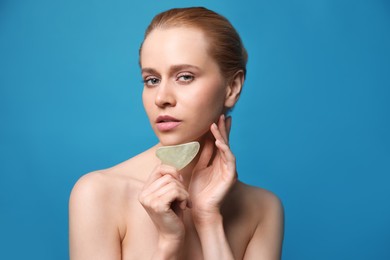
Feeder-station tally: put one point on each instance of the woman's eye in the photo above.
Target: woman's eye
(151, 81)
(185, 78)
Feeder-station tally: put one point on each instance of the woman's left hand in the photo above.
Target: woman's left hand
(214, 174)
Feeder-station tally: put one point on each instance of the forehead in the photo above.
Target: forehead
(177, 45)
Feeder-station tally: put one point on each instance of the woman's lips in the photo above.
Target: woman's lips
(166, 126)
(166, 123)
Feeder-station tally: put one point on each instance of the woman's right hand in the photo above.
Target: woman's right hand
(164, 198)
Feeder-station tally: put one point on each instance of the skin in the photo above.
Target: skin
(141, 209)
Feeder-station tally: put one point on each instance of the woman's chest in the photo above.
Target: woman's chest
(141, 238)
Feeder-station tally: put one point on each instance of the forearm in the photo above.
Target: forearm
(213, 239)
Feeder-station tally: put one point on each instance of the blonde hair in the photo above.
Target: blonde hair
(225, 44)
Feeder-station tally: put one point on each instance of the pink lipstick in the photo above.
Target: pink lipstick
(166, 123)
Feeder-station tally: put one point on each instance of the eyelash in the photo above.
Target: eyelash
(183, 78)
(185, 75)
(147, 80)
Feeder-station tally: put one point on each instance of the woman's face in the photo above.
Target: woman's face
(184, 91)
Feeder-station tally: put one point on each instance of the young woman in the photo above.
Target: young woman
(193, 65)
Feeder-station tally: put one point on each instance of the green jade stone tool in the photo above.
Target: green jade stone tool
(178, 156)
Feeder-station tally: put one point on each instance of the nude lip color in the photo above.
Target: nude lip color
(165, 123)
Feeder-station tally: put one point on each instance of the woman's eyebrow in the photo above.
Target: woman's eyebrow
(179, 67)
(149, 70)
(172, 69)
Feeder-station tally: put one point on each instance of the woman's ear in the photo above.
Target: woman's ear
(234, 88)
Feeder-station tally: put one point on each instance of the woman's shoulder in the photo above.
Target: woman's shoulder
(260, 194)
(259, 201)
(94, 193)
(93, 184)
(101, 185)
(254, 219)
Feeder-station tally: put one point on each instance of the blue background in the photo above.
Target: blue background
(312, 124)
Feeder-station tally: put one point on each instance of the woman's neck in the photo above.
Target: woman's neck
(187, 171)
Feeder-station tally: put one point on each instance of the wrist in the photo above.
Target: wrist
(168, 247)
(208, 220)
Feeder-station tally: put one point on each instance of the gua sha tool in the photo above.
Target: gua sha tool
(178, 156)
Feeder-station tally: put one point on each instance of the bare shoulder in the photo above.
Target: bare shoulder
(112, 184)
(111, 189)
(91, 217)
(96, 196)
(99, 205)
(265, 210)
(258, 199)
(88, 183)
(92, 187)
(103, 181)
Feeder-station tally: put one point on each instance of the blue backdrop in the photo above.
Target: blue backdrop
(312, 124)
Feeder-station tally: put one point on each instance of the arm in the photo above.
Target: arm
(213, 240)
(164, 198)
(266, 243)
(211, 181)
(209, 187)
(92, 231)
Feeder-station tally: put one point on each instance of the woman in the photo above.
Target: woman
(193, 67)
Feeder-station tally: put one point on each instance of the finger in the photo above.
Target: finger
(217, 133)
(158, 184)
(222, 127)
(161, 170)
(170, 187)
(226, 154)
(164, 197)
(181, 196)
(154, 175)
(156, 191)
(167, 169)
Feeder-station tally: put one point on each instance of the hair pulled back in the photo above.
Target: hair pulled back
(225, 44)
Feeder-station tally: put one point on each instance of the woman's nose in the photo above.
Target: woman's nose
(165, 96)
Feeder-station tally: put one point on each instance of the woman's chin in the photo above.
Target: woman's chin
(167, 141)
(164, 142)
